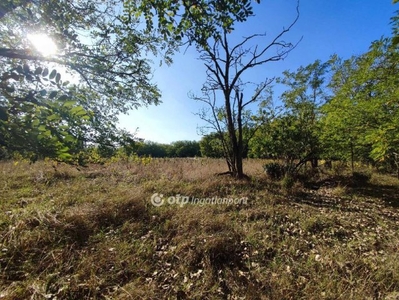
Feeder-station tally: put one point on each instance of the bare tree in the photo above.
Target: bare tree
(225, 69)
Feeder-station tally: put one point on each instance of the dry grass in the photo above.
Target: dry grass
(93, 234)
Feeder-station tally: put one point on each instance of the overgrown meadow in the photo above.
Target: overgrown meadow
(92, 233)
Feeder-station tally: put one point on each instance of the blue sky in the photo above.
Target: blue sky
(344, 27)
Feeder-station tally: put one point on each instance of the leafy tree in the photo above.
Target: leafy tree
(395, 26)
(211, 145)
(306, 92)
(184, 149)
(110, 64)
(292, 132)
(175, 149)
(152, 149)
(96, 47)
(189, 21)
(364, 112)
(341, 125)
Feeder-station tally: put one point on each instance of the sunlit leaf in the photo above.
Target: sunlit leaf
(52, 117)
(68, 103)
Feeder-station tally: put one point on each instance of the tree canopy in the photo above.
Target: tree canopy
(190, 21)
(363, 115)
(103, 57)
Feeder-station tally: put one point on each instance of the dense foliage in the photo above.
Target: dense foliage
(101, 49)
(345, 110)
(175, 149)
(362, 119)
(42, 114)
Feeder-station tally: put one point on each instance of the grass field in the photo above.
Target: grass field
(94, 233)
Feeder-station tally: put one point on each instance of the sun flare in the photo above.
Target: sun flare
(44, 44)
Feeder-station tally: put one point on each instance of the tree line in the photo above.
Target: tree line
(341, 109)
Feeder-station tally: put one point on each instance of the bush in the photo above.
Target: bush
(275, 170)
(4, 153)
(288, 182)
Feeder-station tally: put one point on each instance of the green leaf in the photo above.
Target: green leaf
(69, 138)
(45, 72)
(38, 71)
(53, 74)
(58, 77)
(65, 156)
(53, 94)
(20, 70)
(53, 117)
(81, 113)
(64, 97)
(26, 68)
(68, 103)
(10, 89)
(78, 111)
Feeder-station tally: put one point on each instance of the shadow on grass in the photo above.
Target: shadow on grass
(372, 192)
(387, 193)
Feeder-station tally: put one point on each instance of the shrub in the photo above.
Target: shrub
(288, 182)
(4, 153)
(339, 168)
(275, 170)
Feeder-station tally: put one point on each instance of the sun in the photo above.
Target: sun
(43, 44)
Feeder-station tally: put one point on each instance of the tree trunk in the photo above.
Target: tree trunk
(352, 159)
(328, 164)
(235, 152)
(315, 162)
(396, 158)
(240, 171)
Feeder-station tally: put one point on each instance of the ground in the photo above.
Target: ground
(93, 233)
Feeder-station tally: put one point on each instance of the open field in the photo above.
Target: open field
(94, 234)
